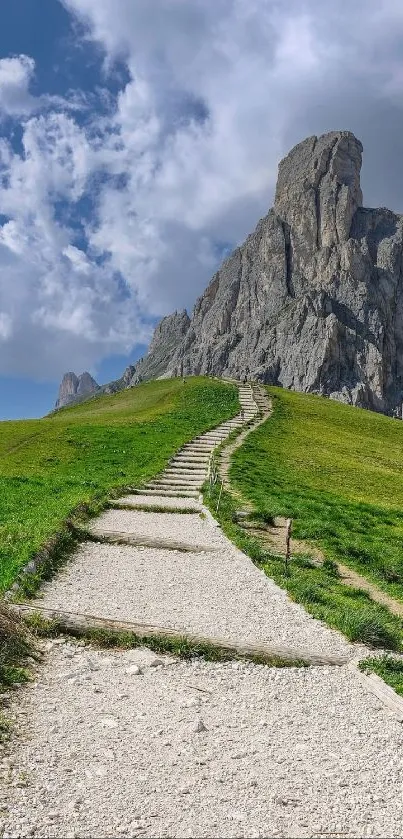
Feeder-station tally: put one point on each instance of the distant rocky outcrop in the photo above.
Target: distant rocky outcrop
(75, 389)
(313, 299)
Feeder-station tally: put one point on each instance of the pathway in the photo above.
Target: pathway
(127, 743)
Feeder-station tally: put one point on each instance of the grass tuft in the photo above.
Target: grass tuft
(388, 668)
(181, 647)
(16, 643)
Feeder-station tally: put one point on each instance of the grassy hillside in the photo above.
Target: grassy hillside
(50, 466)
(338, 472)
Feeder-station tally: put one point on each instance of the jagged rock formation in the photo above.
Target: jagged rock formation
(75, 389)
(313, 300)
(167, 337)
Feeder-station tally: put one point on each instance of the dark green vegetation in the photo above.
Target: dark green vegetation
(182, 647)
(388, 668)
(15, 646)
(319, 590)
(71, 461)
(338, 472)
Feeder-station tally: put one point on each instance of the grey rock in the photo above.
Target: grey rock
(75, 389)
(313, 299)
(167, 336)
(199, 726)
(133, 670)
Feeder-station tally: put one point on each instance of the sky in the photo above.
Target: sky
(139, 143)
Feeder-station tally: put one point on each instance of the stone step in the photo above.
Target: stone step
(200, 458)
(178, 491)
(181, 478)
(216, 436)
(192, 464)
(188, 474)
(172, 484)
(200, 449)
(184, 468)
(165, 493)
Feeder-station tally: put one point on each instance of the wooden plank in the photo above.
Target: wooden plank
(78, 624)
(372, 682)
(116, 537)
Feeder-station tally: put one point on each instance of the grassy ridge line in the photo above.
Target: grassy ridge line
(337, 471)
(77, 458)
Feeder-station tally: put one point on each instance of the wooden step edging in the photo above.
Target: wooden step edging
(375, 685)
(117, 537)
(266, 653)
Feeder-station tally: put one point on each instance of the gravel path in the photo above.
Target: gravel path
(189, 527)
(126, 743)
(286, 753)
(220, 593)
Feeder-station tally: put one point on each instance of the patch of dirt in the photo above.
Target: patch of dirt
(273, 537)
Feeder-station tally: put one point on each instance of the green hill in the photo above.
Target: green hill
(338, 472)
(49, 467)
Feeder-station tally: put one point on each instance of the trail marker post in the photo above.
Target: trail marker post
(288, 531)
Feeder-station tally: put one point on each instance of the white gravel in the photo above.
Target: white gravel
(284, 753)
(187, 527)
(162, 501)
(220, 593)
(134, 744)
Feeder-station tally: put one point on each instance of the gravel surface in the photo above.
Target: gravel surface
(220, 593)
(162, 501)
(198, 750)
(189, 527)
(127, 743)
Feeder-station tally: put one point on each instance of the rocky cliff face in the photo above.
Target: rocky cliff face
(168, 336)
(75, 389)
(313, 300)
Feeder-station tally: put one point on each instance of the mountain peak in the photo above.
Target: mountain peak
(318, 187)
(73, 388)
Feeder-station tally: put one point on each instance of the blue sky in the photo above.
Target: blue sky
(139, 142)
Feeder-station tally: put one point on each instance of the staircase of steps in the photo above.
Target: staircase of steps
(188, 470)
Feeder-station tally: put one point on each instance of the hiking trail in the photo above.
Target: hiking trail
(130, 743)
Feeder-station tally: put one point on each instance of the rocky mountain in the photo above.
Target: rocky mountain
(75, 389)
(313, 299)
(168, 336)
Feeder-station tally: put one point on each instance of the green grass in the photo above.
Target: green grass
(76, 458)
(388, 668)
(338, 472)
(319, 590)
(15, 646)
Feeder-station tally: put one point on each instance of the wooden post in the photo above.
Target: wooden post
(219, 497)
(288, 530)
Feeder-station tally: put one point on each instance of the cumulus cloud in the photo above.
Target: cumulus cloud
(110, 221)
(15, 76)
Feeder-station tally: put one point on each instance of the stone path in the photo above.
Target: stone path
(130, 744)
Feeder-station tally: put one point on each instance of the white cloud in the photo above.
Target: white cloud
(15, 76)
(184, 164)
(6, 326)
